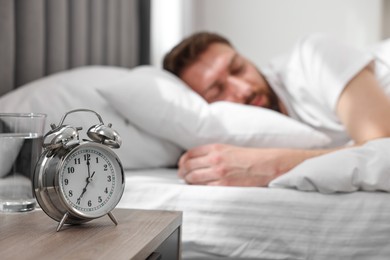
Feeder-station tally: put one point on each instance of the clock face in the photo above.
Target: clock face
(91, 180)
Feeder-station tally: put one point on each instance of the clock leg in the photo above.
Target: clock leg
(64, 218)
(112, 218)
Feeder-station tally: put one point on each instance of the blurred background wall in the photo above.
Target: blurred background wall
(262, 29)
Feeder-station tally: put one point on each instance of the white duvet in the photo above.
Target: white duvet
(335, 206)
(263, 223)
(365, 168)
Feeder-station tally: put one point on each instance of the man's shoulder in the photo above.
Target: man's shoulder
(315, 44)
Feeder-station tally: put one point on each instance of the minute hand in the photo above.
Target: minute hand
(89, 172)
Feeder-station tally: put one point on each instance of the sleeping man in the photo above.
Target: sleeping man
(324, 84)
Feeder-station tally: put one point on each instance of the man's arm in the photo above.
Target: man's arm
(363, 108)
(227, 165)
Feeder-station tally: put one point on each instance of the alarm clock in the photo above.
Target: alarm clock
(75, 180)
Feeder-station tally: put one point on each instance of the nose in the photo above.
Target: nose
(238, 90)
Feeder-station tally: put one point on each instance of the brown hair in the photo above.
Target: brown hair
(189, 49)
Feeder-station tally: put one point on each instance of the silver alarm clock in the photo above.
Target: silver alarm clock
(76, 180)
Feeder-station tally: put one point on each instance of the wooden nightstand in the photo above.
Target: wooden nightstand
(140, 234)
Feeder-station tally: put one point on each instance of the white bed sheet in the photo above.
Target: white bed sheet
(264, 223)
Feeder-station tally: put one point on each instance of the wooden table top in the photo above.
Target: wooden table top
(32, 235)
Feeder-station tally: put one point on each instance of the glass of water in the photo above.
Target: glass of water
(21, 137)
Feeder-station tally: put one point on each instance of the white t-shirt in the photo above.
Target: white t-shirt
(311, 78)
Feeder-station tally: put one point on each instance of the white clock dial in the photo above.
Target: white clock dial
(91, 180)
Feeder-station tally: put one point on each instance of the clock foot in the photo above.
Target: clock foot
(112, 218)
(64, 218)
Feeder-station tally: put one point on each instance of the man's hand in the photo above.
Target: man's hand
(226, 165)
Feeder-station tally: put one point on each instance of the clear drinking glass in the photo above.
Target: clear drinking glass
(21, 137)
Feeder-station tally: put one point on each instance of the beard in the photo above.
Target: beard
(272, 100)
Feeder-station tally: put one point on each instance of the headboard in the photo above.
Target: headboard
(41, 37)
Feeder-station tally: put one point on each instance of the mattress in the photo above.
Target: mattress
(266, 223)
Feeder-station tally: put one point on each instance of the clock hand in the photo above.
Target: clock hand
(84, 190)
(89, 179)
(89, 173)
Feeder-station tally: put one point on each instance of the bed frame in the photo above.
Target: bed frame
(41, 37)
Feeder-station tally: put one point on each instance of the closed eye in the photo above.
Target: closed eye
(213, 93)
(238, 70)
(237, 66)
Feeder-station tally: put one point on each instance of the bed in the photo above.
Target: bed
(332, 207)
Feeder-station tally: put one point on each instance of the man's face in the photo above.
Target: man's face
(221, 74)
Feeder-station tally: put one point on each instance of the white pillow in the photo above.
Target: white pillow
(364, 168)
(59, 93)
(161, 104)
